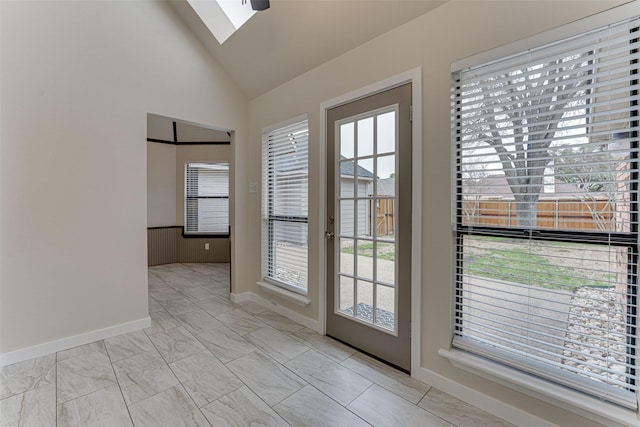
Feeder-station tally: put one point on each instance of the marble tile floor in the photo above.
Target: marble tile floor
(208, 362)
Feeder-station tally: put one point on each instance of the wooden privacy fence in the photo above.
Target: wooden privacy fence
(382, 216)
(562, 214)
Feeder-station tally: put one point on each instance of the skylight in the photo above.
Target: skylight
(222, 17)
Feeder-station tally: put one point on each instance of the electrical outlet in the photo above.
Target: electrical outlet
(206, 246)
(253, 187)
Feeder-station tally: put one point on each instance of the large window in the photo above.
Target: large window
(207, 198)
(285, 163)
(546, 211)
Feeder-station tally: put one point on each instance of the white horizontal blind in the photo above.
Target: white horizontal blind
(285, 165)
(546, 211)
(207, 198)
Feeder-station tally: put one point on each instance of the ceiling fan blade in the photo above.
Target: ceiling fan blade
(260, 4)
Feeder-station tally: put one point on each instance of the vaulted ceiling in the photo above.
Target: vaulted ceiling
(294, 36)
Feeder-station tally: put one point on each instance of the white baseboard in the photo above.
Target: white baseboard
(480, 400)
(240, 298)
(69, 342)
(294, 297)
(273, 305)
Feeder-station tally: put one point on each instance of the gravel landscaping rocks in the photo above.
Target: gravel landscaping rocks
(596, 334)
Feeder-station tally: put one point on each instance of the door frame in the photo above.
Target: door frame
(413, 76)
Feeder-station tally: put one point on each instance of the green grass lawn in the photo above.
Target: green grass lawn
(386, 251)
(529, 268)
(539, 265)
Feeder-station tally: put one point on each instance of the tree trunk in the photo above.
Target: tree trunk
(527, 210)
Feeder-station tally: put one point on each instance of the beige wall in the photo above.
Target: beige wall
(454, 31)
(78, 79)
(161, 185)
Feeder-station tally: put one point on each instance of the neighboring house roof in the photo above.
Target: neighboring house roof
(346, 168)
(284, 164)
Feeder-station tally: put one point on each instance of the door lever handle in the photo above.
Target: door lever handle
(329, 235)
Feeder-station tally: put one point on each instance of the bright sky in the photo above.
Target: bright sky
(237, 12)
(222, 17)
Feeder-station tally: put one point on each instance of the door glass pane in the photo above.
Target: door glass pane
(365, 259)
(345, 294)
(365, 137)
(383, 215)
(385, 307)
(364, 177)
(386, 132)
(363, 219)
(346, 182)
(347, 256)
(388, 237)
(385, 262)
(347, 218)
(386, 171)
(347, 142)
(364, 309)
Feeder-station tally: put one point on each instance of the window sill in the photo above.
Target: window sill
(296, 298)
(565, 398)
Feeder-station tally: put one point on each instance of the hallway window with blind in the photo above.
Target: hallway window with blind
(285, 168)
(207, 198)
(546, 211)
